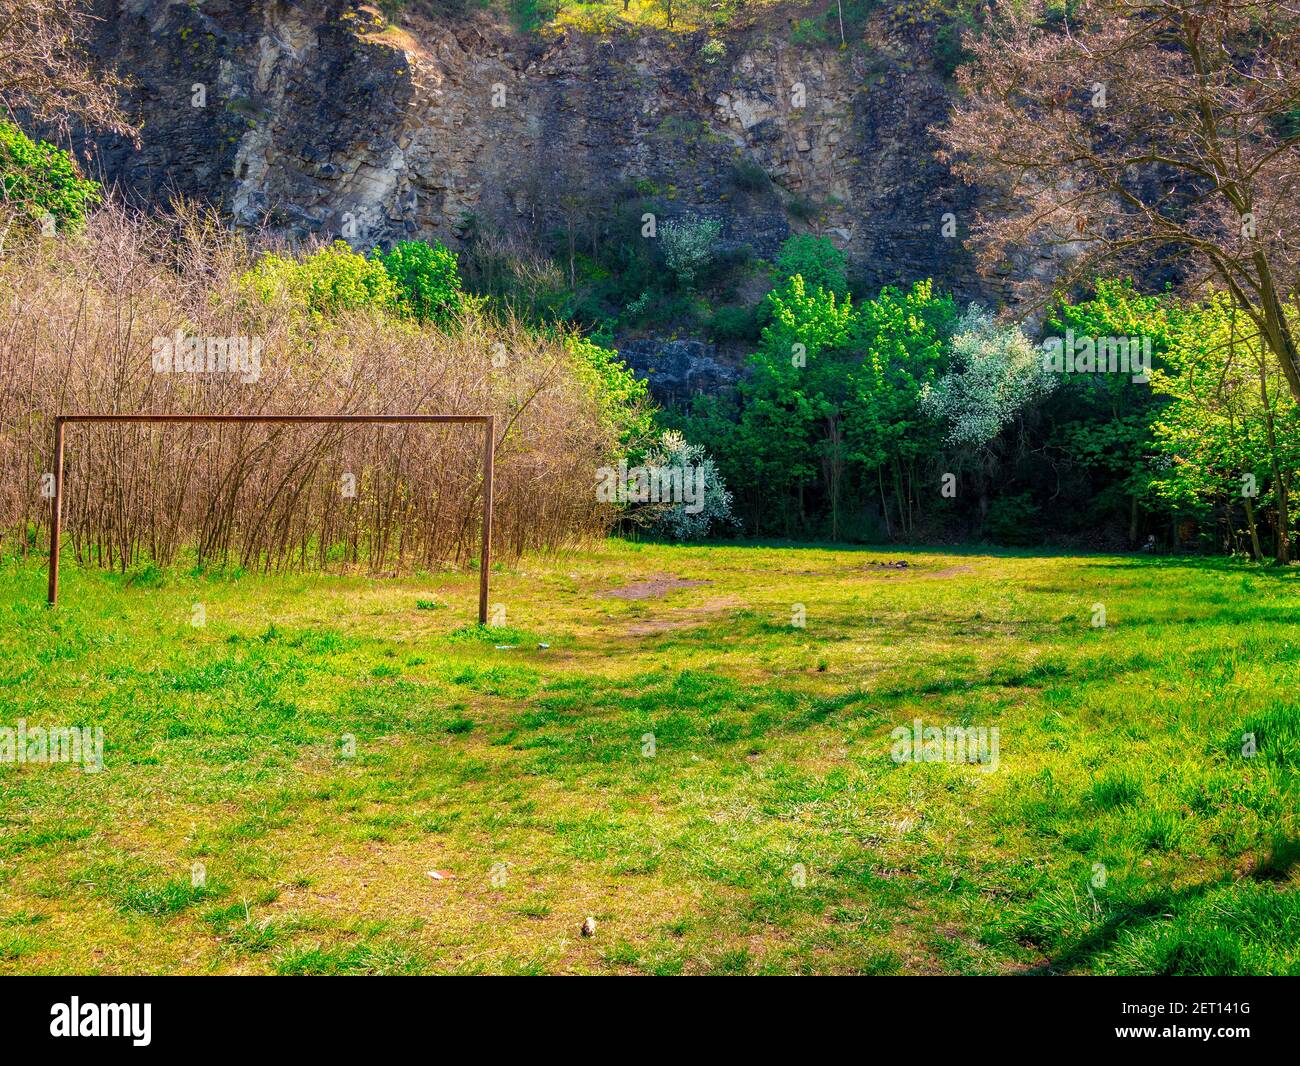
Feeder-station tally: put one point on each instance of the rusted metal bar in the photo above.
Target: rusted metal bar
(489, 448)
(485, 555)
(56, 512)
(274, 418)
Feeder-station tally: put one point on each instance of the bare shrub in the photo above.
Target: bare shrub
(45, 71)
(511, 270)
(81, 320)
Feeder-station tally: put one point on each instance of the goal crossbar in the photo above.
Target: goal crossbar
(488, 422)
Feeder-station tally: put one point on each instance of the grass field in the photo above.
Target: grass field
(711, 783)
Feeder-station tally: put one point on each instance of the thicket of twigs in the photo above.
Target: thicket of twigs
(78, 318)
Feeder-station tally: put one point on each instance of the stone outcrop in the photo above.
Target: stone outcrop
(676, 369)
(315, 119)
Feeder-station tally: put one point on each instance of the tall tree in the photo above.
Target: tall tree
(1125, 129)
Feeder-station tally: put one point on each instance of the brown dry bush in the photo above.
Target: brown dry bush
(78, 320)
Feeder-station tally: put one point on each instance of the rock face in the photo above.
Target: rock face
(677, 369)
(313, 119)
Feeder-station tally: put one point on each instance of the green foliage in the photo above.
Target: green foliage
(804, 321)
(784, 399)
(1287, 124)
(807, 32)
(428, 277)
(40, 179)
(1104, 420)
(949, 52)
(1230, 432)
(530, 15)
(905, 334)
(622, 397)
(1013, 519)
(1116, 308)
(875, 402)
(328, 280)
(817, 261)
(831, 407)
(731, 323)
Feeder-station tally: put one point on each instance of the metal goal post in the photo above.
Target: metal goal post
(488, 422)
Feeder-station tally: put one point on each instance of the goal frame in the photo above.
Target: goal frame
(488, 422)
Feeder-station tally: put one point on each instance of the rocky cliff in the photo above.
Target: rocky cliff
(318, 119)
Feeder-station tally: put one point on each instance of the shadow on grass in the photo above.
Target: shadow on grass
(1229, 926)
(1084, 952)
(1205, 563)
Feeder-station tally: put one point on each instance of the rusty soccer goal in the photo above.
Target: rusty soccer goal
(488, 422)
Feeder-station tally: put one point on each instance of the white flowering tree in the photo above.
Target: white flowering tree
(995, 372)
(689, 246)
(710, 505)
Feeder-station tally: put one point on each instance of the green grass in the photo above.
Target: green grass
(710, 783)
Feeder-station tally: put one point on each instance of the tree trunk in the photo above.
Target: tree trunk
(1283, 554)
(898, 495)
(884, 502)
(1276, 328)
(834, 471)
(1254, 530)
(1283, 547)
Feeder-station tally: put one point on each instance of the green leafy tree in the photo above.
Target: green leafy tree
(832, 404)
(1230, 432)
(328, 280)
(786, 400)
(41, 181)
(428, 278)
(817, 261)
(622, 398)
(830, 409)
(1104, 420)
(903, 336)
(803, 320)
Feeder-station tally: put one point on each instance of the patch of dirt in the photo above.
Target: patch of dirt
(904, 569)
(652, 587)
(951, 571)
(685, 618)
